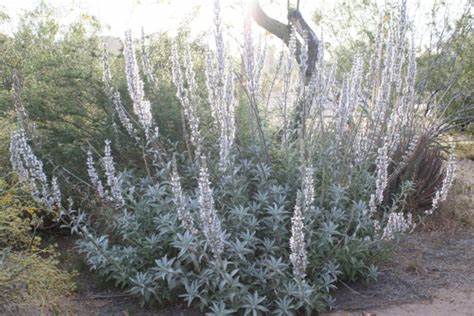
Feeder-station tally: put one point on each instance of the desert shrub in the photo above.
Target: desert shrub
(269, 225)
(30, 277)
(56, 71)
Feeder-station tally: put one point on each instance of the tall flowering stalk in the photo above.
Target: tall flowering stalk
(123, 115)
(399, 48)
(381, 180)
(298, 255)
(114, 96)
(187, 95)
(184, 215)
(30, 171)
(112, 180)
(220, 85)
(210, 222)
(55, 194)
(253, 59)
(288, 95)
(93, 175)
(141, 106)
(349, 100)
(442, 193)
(382, 172)
(405, 111)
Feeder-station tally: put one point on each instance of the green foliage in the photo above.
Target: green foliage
(150, 254)
(447, 69)
(60, 78)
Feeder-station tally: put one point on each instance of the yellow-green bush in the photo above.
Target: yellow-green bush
(18, 216)
(30, 277)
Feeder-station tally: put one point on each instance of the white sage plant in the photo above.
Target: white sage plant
(227, 231)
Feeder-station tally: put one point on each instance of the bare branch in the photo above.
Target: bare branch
(277, 28)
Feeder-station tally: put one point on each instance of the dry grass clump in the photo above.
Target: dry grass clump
(31, 282)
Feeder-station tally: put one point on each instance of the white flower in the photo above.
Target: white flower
(372, 205)
(253, 59)
(55, 194)
(93, 176)
(112, 180)
(123, 116)
(187, 96)
(30, 172)
(178, 197)
(307, 189)
(382, 172)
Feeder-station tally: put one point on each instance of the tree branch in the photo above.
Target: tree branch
(277, 28)
(282, 31)
(306, 32)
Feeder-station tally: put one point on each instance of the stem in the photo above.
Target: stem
(145, 161)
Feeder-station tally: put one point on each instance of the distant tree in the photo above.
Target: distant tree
(446, 65)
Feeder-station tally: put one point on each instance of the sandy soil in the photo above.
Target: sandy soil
(446, 303)
(430, 274)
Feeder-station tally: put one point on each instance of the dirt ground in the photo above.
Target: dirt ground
(430, 274)
(431, 271)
